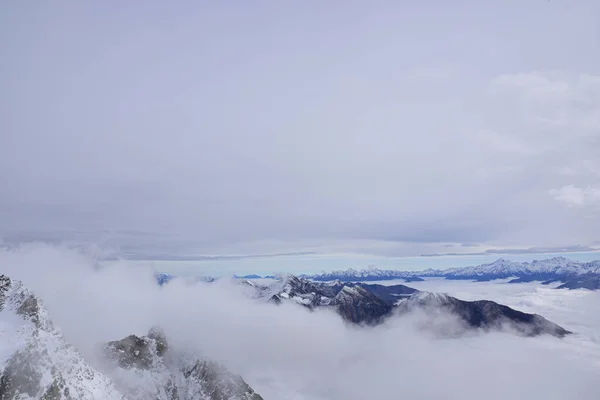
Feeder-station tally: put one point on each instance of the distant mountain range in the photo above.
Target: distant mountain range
(572, 274)
(558, 269)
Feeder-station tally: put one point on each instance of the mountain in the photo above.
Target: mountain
(552, 269)
(590, 281)
(36, 362)
(150, 369)
(163, 278)
(365, 275)
(251, 276)
(370, 304)
(482, 314)
(356, 303)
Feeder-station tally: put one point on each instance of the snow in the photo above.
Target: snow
(501, 268)
(49, 351)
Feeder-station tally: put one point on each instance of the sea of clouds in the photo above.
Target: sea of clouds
(289, 353)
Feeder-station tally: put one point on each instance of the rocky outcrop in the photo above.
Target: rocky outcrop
(482, 314)
(37, 363)
(40, 364)
(154, 370)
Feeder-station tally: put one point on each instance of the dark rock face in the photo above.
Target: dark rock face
(358, 305)
(355, 302)
(363, 303)
(218, 383)
(57, 391)
(389, 294)
(590, 282)
(202, 379)
(484, 314)
(29, 309)
(20, 377)
(413, 279)
(4, 286)
(133, 352)
(138, 351)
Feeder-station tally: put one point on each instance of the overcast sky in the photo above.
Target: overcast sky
(381, 127)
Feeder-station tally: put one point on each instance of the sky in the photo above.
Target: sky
(381, 128)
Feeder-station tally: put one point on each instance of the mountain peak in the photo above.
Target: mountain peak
(38, 363)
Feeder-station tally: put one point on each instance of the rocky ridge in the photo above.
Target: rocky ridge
(371, 304)
(36, 362)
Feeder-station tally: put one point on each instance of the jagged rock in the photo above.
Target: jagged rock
(371, 304)
(133, 352)
(219, 383)
(43, 365)
(164, 374)
(358, 305)
(20, 376)
(356, 302)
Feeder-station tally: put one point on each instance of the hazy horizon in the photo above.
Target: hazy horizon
(317, 263)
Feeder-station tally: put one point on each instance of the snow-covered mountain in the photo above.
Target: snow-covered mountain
(482, 314)
(363, 303)
(145, 367)
(354, 302)
(552, 269)
(36, 362)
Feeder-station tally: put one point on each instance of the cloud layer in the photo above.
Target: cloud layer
(289, 353)
(218, 129)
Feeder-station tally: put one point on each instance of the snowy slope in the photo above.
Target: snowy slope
(37, 363)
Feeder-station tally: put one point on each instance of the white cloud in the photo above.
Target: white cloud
(577, 196)
(289, 353)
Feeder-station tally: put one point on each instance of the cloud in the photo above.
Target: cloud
(530, 250)
(265, 132)
(577, 196)
(289, 353)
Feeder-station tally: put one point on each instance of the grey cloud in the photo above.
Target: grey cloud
(530, 250)
(218, 127)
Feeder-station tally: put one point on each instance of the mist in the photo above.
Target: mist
(288, 352)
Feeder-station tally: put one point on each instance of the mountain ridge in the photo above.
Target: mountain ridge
(551, 269)
(372, 304)
(36, 362)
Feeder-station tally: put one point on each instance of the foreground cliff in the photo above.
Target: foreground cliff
(37, 363)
